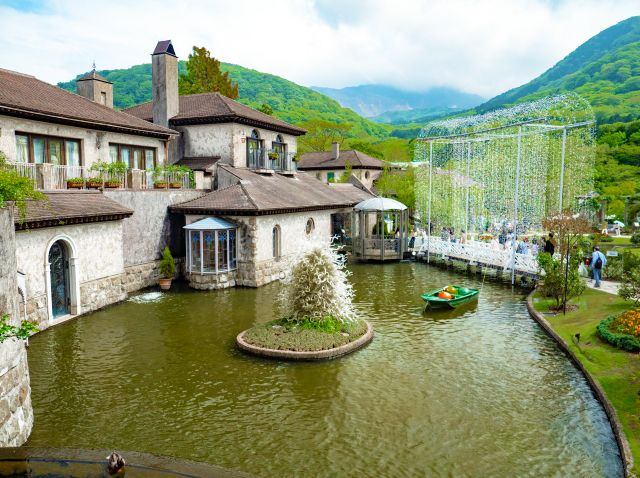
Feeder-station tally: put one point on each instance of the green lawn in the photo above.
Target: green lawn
(618, 372)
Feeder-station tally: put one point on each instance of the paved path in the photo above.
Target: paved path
(605, 286)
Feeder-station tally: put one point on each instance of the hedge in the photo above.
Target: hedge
(622, 341)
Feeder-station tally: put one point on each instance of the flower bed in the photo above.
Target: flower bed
(622, 331)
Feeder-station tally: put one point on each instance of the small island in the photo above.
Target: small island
(317, 316)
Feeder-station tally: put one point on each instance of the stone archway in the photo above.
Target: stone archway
(61, 277)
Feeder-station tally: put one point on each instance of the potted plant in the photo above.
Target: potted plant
(161, 184)
(115, 174)
(175, 185)
(75, 183)
(273, 155)
(112, 183)
(94, 183)
(167, 269)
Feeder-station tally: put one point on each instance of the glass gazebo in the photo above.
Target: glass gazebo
(380, 229)
(211, 246)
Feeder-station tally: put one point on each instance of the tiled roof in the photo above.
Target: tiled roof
(93, 75)
(359, 184)
(70, 207)
(26, 96)
(268, 194)
(205, 108)
(327, 160)
(199, 164)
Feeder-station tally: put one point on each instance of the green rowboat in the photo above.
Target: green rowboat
(463, 296)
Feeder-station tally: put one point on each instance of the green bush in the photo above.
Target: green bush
(622, 341)
(635, 239)
(630, 287)
(614, 270)
(8, 331)
(167, 265)
(554, 278)
(606, 239)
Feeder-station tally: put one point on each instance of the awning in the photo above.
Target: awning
(210, 224)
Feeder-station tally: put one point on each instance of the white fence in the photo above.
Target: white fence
(479, 253)
(56, 177)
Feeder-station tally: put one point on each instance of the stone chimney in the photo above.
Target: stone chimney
(96, 88)
(335, 150)
(164, 63)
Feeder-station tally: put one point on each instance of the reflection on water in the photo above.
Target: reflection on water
(477, 391)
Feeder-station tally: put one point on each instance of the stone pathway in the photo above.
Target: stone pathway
(608, 286)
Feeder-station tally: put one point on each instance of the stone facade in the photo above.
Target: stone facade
(257, 265)
(227, 140)
(151, 227)
(94, 144)
(16, 413)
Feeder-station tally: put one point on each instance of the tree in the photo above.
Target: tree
(17, 188)
(266, 109)
(562, 279)
(347, 172)
(321, 134)
(630, 287)
(204, 75)
(399, 184)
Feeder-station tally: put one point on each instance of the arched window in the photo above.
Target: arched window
(277, 246)
(59, 279)
(277, 154)
(310, 226)
(254, 150)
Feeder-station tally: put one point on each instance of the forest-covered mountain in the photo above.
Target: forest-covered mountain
(290, 102)
(605, 70)
(387, 104)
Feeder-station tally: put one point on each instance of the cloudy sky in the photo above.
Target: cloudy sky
(481, 46)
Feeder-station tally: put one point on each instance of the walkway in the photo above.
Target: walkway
(608, 286)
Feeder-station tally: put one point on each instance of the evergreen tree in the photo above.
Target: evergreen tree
(204, 75)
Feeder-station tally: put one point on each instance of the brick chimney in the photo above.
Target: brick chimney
(96, 88)
(335, 150)
(164, 63)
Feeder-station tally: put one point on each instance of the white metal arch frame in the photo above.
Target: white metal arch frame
(74, 276)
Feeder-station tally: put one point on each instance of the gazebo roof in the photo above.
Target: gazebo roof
(380, 204)
(210, 223)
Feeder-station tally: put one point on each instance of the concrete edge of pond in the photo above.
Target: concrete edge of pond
(598, 391)
(306, 356)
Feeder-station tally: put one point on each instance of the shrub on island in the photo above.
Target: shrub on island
(315, 307)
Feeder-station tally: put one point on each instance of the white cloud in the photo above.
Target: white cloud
(484, 47)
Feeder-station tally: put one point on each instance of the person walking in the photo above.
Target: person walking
(550, 245)
(598, 261)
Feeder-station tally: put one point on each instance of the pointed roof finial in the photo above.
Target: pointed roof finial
(94, 65)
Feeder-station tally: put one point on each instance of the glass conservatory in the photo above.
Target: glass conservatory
(211, 246)
(380, 229)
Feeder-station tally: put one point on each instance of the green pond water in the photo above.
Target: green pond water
(480, 391)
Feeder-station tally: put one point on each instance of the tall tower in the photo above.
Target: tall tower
(165, 83)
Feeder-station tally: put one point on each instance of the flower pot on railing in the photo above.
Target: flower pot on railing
(160, 185)
(94, 183)
(175, 185)
(75, 183)
(113, 184)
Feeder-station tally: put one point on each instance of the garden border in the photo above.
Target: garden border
(616, 426)
(306, 356)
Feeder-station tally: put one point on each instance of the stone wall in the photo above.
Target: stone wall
(151, 226)
(16, 413)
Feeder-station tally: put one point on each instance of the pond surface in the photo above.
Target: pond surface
(481, 391)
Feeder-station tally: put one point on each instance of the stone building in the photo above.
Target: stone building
(81, 250)
(245, 233)
(329, 166)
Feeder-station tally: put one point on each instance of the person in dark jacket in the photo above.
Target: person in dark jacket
(550, 245)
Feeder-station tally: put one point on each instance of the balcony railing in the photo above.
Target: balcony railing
(271, 160)
(48, 177)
